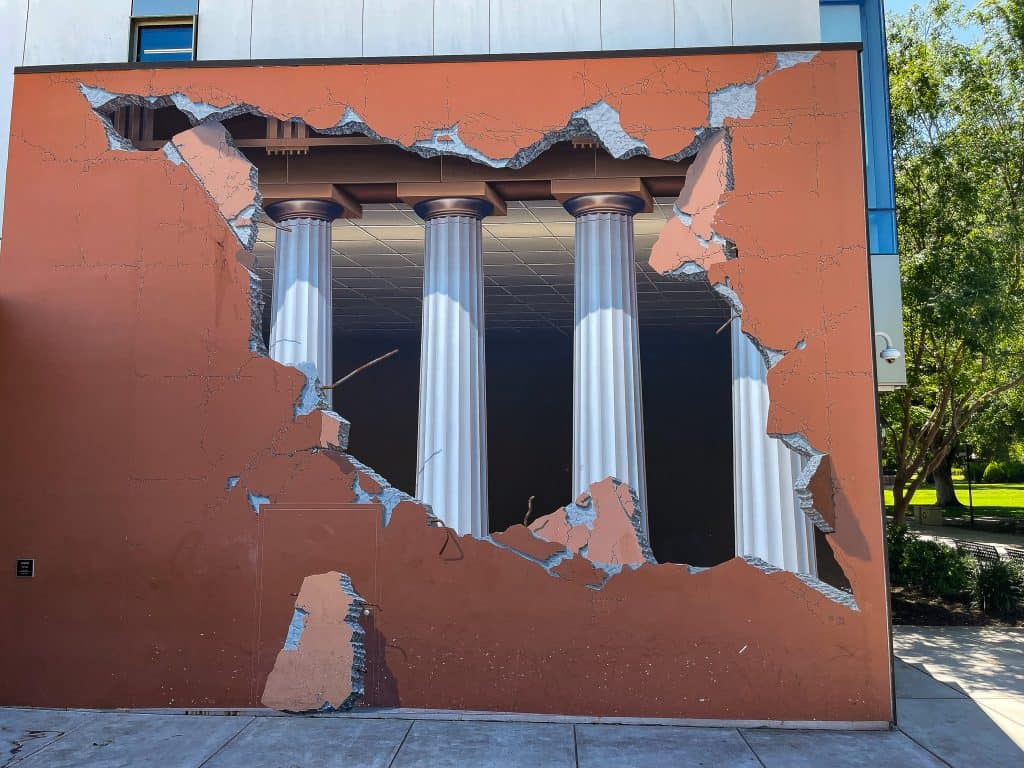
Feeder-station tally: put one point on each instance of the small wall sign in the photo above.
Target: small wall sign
(25, 568)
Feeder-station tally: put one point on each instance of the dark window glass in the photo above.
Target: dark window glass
(165, 42)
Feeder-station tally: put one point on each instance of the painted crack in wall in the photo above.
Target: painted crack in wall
(739, 100)
(370, 487)
(207, 150)
(690, 243)
(600, 120)
(691, 232)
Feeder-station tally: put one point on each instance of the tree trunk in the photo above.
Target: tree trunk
(945, 493)
(900, 502)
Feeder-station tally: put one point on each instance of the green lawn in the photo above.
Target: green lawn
(993, 499)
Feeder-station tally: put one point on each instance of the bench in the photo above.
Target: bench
(977, 550)
(1016, 554)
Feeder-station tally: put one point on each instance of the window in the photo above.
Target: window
(163, 39)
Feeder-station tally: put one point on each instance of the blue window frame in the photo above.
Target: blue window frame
(164, 41)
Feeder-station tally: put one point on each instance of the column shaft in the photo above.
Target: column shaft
(451, 465)
(769, 522)
(608, 430)
(301, 320)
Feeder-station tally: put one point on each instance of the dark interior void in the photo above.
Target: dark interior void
(688, 432)
(687, 377)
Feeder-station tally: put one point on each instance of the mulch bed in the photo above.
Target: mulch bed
(912, 607)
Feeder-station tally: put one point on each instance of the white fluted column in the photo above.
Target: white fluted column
(769, 522)
(608, 425)
(451, 462)
(300, 321)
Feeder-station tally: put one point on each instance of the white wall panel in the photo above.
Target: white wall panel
(529, 26)
(398, 28)
(224, 29)
(887, 303)
(462, 27)
(840, 24)
(76, 32)
(13, 14)
(306, 29)
(757, 22)
(703, 23)
(630, 24)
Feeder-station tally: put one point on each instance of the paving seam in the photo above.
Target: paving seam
(934, 754)
(225, 745)
(401, 744)
(920, 668)
(752, 750)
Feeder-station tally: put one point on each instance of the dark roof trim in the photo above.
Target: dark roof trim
(716, 50)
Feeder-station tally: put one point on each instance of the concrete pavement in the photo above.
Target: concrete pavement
(960, 702)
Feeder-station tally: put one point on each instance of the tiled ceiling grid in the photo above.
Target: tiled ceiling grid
(528, 271)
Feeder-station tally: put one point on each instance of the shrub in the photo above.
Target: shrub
(896, 539)
(994, 473)
(936, 568)
(1014, 471)
(998, 586)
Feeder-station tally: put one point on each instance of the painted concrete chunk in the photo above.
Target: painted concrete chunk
(123, 740)
(321, 664)
(626, 746)
(812, 749)
(580, 571)
(313, 742)
(521, 539)
(611, 536)
(441, 744)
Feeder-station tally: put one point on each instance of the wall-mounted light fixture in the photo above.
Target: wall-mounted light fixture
(890, 354)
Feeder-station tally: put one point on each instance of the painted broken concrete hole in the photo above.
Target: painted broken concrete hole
(588, 541)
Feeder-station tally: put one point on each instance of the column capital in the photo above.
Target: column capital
(324, 210)
(620, 195)
(581, 205)
(451, 198)
(317, 201)
(453, 206)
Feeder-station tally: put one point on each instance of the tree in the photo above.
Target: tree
(958, 136)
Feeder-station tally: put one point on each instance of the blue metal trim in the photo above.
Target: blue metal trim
(881, 186)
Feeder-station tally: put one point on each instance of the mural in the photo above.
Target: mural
(204, 538)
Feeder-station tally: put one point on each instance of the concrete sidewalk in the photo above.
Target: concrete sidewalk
(948, 534)
(960, 702)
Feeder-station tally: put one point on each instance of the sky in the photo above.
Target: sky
(968, 35)
(901, 6)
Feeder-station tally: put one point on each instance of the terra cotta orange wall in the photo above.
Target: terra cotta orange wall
(129, 397)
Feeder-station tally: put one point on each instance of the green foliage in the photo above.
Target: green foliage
(994, 473)
(897, 536)
(977, 470)
(936, 568)
(1009, 471)
(998, 586)
(958, 133)
(1014, 470)
(928, 565)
